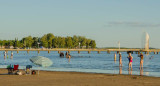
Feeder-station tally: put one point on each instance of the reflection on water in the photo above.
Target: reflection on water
(120, 70)
(84, 62)
(130, 72)
(141, 71)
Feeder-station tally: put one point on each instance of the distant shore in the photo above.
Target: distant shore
(64, 49)
(49, 78)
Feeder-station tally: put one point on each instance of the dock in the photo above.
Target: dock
(156, 51)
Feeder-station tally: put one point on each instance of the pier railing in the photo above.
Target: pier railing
(88, 50)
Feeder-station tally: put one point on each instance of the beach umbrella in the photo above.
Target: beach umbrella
(41, 61)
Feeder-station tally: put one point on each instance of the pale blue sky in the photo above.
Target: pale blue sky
(106, 21)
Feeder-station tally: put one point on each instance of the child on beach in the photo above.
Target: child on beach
(141, 61)
(130, 61)
(120, 60)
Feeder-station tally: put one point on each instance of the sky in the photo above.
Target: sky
(106, 21)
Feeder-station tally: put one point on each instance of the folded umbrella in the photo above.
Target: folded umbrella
(42, 61)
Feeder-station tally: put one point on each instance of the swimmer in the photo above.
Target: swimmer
(151, 57)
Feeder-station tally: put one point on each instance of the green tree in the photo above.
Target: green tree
(82, 40)
(44, 41)
(10, 43)
(88, 43)
(29, 41)
(69, 43)
(16, 43)
(1, 43)
(75, 41)
(62, 43)
(35, 42)
(93, 44)
(55, 42)
(50, 38)
(49, 41)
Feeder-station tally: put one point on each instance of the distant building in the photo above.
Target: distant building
(2, 47)
(8, 47)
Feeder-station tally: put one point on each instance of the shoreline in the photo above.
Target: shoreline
(54, 78)
(95, 71)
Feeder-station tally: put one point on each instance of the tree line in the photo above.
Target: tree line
(50, 41)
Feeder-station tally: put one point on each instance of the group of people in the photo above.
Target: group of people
(130, 58)
(6, 55)
(66, 54)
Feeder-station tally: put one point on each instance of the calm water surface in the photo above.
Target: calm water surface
(84, 62)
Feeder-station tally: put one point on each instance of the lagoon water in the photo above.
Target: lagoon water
(84, 62)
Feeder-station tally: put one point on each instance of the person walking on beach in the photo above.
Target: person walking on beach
(115, 57)
(141, 61)
(130, 61)
(120, 60)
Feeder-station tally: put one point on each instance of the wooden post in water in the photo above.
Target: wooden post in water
(108, 52)
(17, 51)
(98, 52)
(89, 52)
(28, 51)
(132, 52)
(145, 52)
(138, 52)
(48, 51)
(78, 52)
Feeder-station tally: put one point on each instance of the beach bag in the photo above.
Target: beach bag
(33, 72)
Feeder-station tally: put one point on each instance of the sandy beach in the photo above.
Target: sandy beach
(49, 78)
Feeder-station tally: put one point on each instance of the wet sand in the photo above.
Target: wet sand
(49, 78)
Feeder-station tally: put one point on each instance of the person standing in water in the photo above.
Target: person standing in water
(4, 54)
(115, 57)
(141, 61)
(67, 54)
(130, 58)
(11, 55)
(69, 58)
(120, 60)
(7, 56)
